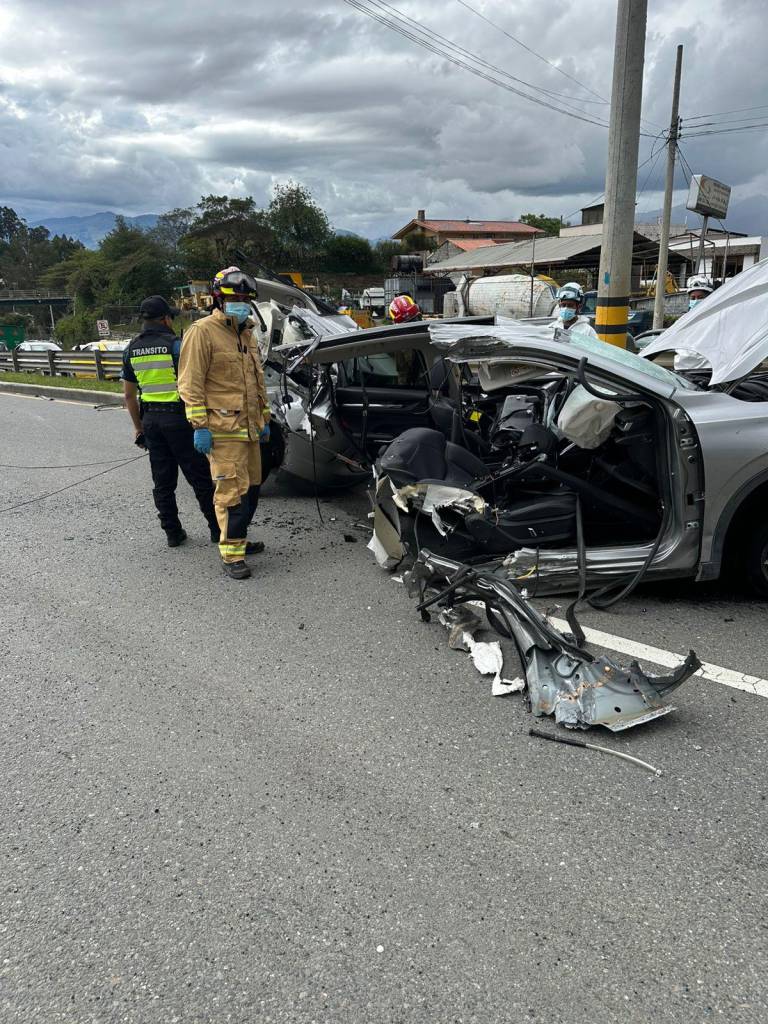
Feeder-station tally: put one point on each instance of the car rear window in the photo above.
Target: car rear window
(385, 370)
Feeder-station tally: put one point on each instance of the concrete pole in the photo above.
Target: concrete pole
(661, 271)
(614, 281)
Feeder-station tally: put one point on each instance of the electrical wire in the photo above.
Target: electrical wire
(738, 110)
(77, 483)
(600, 99)
(436, 48)
(417, 26)
(74, 465)
(602, 194)
(724, 131)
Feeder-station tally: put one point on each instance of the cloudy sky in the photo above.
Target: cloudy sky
(145, 106)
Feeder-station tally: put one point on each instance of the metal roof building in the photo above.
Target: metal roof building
(577, 252)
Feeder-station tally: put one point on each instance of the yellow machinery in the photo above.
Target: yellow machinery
(362, 317)
(670, 286)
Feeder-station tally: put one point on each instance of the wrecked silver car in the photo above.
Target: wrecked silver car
(575, 464)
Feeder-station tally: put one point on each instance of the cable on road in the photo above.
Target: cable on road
(74, 465)
(77, 483)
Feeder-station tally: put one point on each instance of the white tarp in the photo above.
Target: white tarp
(730, 328)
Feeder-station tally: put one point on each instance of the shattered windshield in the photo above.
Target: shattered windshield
(503, 340)
(626, 358)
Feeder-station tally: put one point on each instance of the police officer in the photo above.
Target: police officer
(221, 381)
(150, 368)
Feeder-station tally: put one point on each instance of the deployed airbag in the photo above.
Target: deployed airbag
(586, 420)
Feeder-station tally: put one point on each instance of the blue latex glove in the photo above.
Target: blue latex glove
(264, 435)
(203, 440)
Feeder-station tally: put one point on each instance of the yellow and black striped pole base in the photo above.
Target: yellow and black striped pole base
(611, 318)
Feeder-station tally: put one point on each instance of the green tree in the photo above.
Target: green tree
(84, 276)
(349, 254)
(301, 229)
(226, 225)
(77, 328)
(549, 225)
(383, 251)
(25, 253)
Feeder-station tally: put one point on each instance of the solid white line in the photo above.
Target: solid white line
(715, 673)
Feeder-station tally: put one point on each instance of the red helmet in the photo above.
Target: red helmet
(403, 308)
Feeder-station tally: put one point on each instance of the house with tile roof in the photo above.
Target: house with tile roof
(434, 233)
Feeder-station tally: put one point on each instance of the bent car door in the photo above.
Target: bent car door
(381, 394)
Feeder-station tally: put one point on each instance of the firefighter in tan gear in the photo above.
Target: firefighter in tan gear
(221, 381)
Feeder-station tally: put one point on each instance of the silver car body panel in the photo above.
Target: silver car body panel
(563, 680)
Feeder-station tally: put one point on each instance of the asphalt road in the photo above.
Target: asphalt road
(286, 800)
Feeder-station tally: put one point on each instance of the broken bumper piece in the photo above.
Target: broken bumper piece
(578, 688)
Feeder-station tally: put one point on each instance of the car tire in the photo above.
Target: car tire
(756, 559)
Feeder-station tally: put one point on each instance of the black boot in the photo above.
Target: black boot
(176, 537)
(215, 534)
(236, 570)
(254, 547)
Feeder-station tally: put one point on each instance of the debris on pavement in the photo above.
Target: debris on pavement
(562, 679)
(594, 746)
(488, 658)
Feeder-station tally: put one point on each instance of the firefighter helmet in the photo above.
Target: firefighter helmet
(402, 309)
(232, 282)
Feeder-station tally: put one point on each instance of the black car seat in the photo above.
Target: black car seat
(422, 454)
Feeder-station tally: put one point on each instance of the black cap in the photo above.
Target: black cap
(154, 307)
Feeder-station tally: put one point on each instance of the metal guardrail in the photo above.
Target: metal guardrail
(100, 365)
(31, 293)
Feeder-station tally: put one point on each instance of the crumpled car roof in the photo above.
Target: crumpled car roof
(730, 328)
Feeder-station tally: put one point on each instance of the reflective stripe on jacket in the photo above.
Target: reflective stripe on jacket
(221, 380)
(150, 362)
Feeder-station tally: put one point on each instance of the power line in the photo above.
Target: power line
(435, 48)
(650, 170)
(718, 113)
(600, 99)
(598, 198)
(392, 12)
(77, 483)
(726, 121)
(726, 131)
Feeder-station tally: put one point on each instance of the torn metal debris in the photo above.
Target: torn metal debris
(578, 688)
(487, 657)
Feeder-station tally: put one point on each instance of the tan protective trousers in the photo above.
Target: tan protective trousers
(236, 473)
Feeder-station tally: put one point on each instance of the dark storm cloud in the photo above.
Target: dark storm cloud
(146, 106)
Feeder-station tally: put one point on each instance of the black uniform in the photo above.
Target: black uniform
(167, 433)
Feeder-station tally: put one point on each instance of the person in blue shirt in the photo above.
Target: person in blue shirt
(150, 370)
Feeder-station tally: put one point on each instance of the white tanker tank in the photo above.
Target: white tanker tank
(512, 295)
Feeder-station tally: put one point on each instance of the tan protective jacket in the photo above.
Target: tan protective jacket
(221, 379)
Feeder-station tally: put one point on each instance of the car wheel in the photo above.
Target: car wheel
(756, 559)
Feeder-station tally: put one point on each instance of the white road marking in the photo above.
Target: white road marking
(715, 673)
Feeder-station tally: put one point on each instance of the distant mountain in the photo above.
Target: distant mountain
(91, 229)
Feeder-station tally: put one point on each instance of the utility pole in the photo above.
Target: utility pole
(615, 277)
(701, 261)
(674, 127)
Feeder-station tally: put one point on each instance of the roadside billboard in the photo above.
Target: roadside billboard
(708, 197)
